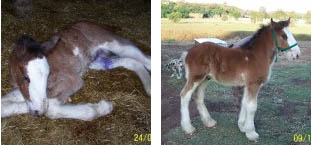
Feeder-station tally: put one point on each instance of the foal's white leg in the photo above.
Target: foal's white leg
(242, 113)
(129, 51)
(127, 63)
(185, 114)
(249, 127)
(14, 96)
(86, 112)
(204, 114)
(13, 104)
(251, 107)
(9, 108)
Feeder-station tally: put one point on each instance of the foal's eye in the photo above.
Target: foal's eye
(284, 36)
(26, 79)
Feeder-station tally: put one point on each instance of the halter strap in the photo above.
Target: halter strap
(280, 48)
(276, 43)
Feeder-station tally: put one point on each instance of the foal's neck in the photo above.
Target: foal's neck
(264, 44)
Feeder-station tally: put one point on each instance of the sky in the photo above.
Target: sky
(300, 6)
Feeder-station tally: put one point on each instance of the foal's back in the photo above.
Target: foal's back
(73, 52)
(216, 61)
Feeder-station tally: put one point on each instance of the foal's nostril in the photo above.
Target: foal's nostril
(297, 56)
(35, 113)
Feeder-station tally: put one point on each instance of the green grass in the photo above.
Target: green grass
(188, 29)
(169, 40)
(275, 122)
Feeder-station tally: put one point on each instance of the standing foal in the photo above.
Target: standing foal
(45, 75)
(248, 65)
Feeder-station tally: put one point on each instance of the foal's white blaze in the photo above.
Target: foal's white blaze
(76, 51)
(38, 72)
(294, 52)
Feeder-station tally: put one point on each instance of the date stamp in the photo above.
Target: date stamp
(301, 137)
(139, 137)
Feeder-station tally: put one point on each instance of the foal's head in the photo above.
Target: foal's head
(284, 39)
(29, 70)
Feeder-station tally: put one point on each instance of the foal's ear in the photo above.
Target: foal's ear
(285, 23)
(275, 25)
(50, 43)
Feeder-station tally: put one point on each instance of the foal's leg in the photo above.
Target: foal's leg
(128, 63)
(251, 107)
(13, 104)
(9, 108)
(13, 96)
(86, 112)
(186, 95)
(130, 51)
(242, 113)
(204, 114)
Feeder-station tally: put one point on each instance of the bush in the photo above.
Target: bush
(183, 11)
(175, 17)
(224, 18)
(208, 14)
(166, 9)
(307, 17)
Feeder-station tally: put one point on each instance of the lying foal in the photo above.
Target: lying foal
(45, 75)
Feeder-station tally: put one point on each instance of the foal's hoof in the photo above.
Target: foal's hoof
(211, 123)
(189, 130)
(253, 136)
(241, 127)
(104, 107)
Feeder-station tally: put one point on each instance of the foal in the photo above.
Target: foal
(248, 65)
(45, 75)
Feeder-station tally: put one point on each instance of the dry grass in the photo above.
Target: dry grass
(188, 29)
(131, 112)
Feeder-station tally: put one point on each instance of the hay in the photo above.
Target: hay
(131, 114)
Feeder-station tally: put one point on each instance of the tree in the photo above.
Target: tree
(182, 10)
(255, 16)
(307, 17)
(218, 10)
(208, 14)
(263, 12)
(235, 12)
(166, 8)
(175, 17)
(280, 15)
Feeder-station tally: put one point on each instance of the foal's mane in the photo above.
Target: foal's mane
(253, 39)
(27, 46)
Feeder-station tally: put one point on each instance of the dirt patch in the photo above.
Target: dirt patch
(170, 106)
(300, 82)
(287, 109)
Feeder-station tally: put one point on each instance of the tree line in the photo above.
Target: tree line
(176, 11)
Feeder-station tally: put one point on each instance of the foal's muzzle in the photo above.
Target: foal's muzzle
(35, 113)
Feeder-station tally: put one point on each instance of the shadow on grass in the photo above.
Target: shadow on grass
(283, 112)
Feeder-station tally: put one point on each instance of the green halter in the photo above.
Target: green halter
(280, 48)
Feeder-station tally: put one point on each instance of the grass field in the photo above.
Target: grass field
(188, 29)
(283, 105)
(283, 110)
